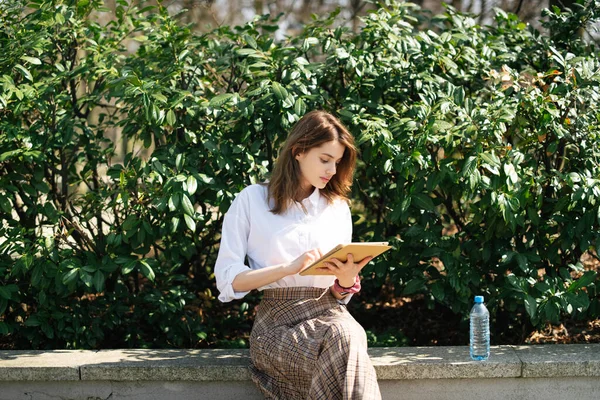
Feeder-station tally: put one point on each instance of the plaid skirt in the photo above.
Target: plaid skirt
(305, 345)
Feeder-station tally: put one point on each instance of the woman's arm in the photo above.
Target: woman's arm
(337, 295)
(345, 272)
(249, 280)
(253, 279)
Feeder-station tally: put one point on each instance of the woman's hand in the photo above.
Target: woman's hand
(345, 272)
(303, 261)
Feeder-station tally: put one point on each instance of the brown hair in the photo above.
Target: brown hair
(312, 130)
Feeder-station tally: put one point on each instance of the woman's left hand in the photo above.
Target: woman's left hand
(346, 272)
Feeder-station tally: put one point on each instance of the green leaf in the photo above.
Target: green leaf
(160, 97)
(188, 207)
(341, 53)
(4, 328)
(171, 119)
(299, 107)
(279, 91)
(584, 280)
(574, 177)
(47, 329)
(387, 165)
(251, 41)
(70, 276)
(174, 224)
(522, 262)
(98, 281)
(31, 60)
(220, 100)
(183, 54)
(146, 270)
(437, 290)
(189, 221)
(442, 126)
(491, 159)
(130, 222)
(24, 71)
(309, 42)
(127, 268)
(423, 202)
(59, 18)
(448, 63)
(511, 174)
(413, 286)
(32, 321)
(192, 185)
(86, 278)
(5, 293)
(469, 166)
(36, 275)
(530, 306)
(248, 52)
(174, 201)
(157, 165)
(43, 298)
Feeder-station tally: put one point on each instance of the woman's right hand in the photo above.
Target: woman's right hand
(303, 261)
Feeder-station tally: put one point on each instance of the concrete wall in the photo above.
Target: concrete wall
(512, 372)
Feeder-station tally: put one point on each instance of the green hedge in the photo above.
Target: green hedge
(479, 163)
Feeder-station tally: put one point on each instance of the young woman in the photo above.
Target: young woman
(304, 343)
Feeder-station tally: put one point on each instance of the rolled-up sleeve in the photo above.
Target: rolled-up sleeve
(233, 249)
(347, 225)
(347, 238)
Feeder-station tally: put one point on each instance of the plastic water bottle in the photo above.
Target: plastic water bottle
(479, 345)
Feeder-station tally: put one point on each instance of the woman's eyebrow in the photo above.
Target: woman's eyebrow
(329, 155)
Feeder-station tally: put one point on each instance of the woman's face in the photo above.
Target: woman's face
(319, 164)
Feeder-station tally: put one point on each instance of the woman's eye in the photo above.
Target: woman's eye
(323, 161)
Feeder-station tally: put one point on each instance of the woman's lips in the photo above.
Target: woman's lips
(325, 179)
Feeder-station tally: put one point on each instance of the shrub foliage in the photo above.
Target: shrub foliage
(479, 162)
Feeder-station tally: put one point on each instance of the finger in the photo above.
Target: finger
(330, 270)
(350, 258)
(364, 261)
(336, 262)
(330, 266)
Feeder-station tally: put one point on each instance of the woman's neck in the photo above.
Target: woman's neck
(305, 193)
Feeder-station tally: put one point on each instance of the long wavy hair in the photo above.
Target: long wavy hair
(312, 130)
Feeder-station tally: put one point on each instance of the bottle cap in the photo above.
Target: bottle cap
(478, 299)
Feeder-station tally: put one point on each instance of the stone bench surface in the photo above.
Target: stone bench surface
(543, 361)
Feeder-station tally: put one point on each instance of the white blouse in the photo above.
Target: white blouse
(250, 229)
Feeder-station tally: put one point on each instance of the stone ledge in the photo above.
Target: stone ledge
(582, 360)
(443, 363)
(404, 363)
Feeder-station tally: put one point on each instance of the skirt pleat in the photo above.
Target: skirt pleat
(305, 345)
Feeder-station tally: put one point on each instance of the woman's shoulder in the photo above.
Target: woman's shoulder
(253, 194)
(342, 206)
(340, 202)
(255, 191)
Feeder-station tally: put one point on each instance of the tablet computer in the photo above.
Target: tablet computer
(358, 250)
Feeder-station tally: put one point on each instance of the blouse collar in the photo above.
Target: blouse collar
(313, 198)
(312, 201)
